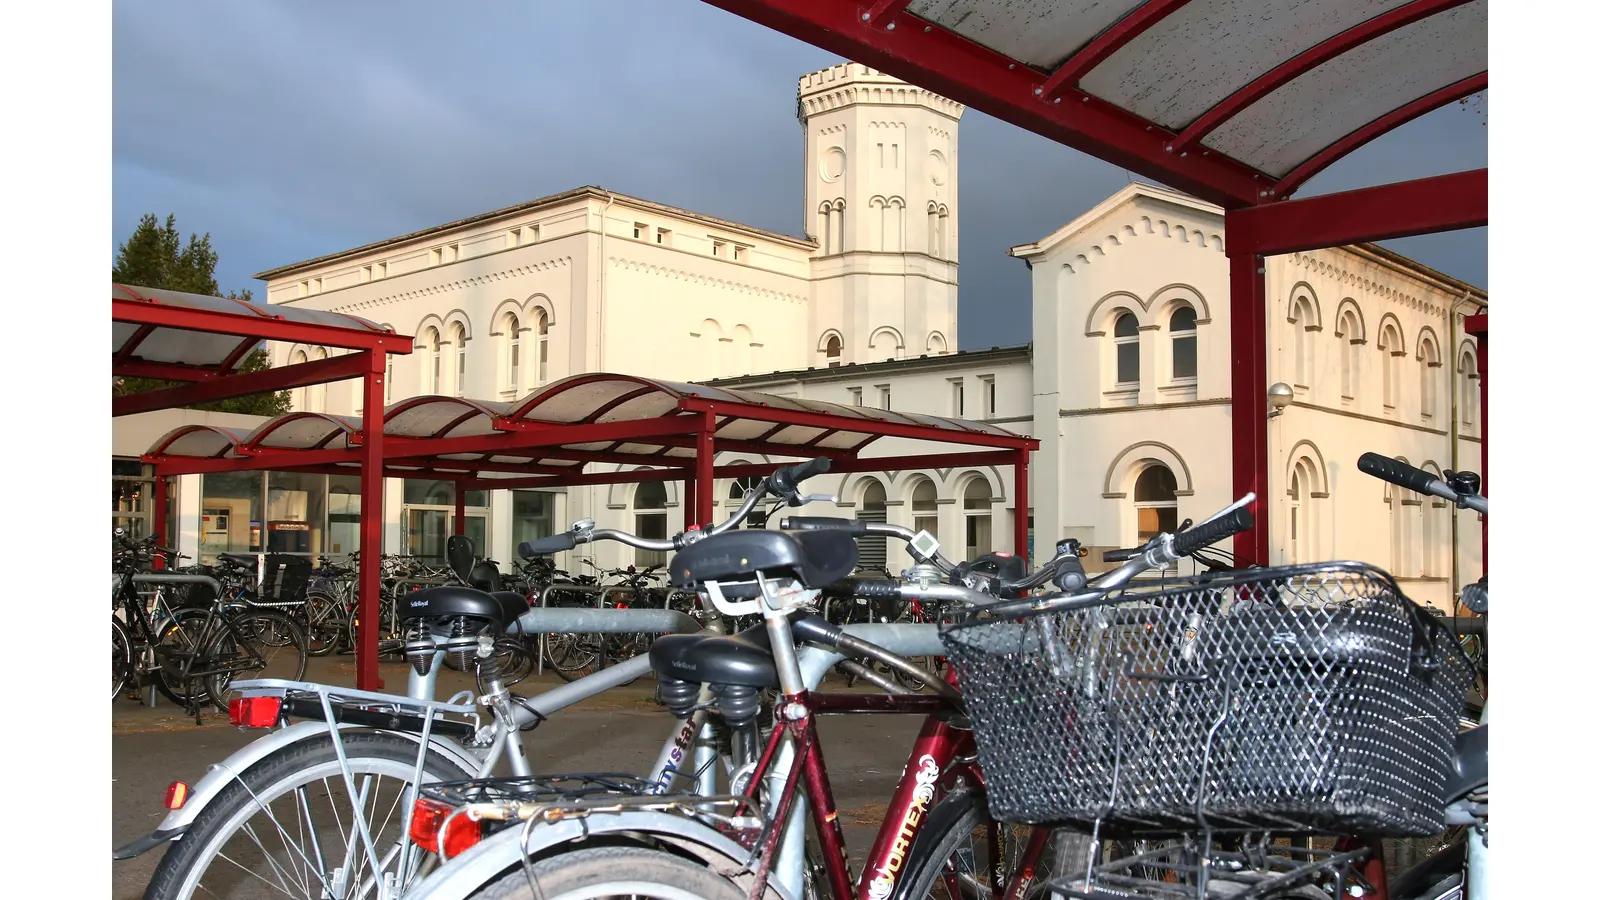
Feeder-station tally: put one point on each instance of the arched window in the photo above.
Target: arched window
(874, 550)
(1467, 372)
(388, 379)
(318, 399)
(1435, 516)
(824, 230)
(511, 339)
(877, 223)
(297, 397)
(541, 329)
(925, 508)
(835, 349)
(936, 344)
(894, 224)
(1349, 363)
(650, 520)
(1155, 502)
(459, 336)
(1185, 359)
(1428, 363)
(1301, 543)
(1125, 334)
(977, 503)
(934, 244)
(1390, 345)
(430, 361)
(1303, 319)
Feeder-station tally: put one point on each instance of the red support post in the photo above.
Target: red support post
(371, 521)
(1020, 489)
(1247, 311)
(158, 524)
(705, 455)
(460, 526)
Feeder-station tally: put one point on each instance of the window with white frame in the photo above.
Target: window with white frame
(431, 365)
(542, 331)
(958, 398)
(1428, 388)
(977, 506)
(1125, 336)
(1392, 349)
(1303, 320)
(1350, 340)
(664, 237)
(1185, 360)
(1467, 372)
(459, 337)
(511, 338)
(885, 400)
(1155, 502)
(925, 508)
(650, 520)
(834, 350)
(990, 398)
(855, 396)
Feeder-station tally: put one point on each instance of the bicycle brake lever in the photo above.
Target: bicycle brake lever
(817, 498)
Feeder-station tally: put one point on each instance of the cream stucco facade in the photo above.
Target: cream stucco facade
(1128, 371)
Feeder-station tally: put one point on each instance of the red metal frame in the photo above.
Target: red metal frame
(1384, 212)
(1097, 51)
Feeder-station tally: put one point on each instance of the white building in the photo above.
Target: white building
(1126, 383)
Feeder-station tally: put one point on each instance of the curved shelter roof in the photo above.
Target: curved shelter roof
(201, 340)
(1235, 101)
(623, 420)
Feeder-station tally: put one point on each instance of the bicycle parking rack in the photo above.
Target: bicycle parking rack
(148, 692)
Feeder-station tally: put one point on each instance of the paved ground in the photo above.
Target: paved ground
(621, 730)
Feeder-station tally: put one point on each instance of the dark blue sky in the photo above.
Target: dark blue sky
(293, 128)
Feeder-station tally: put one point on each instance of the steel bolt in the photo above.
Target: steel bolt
(891, 26)
(866, 17)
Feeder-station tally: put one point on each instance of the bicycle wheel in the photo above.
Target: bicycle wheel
(325, 624)
(286, 827)
(256, 644)
(614, 872)
(121, 658)
(950, 859)
(178, 646)
(572, 656)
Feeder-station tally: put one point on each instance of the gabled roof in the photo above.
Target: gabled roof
(1105, 207)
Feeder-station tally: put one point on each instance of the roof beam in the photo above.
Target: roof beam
(965, 72)
(321, 371)
(1423, 206)
(884, 11)
(632, 476)
(1298, 65)
(148, 312)
(869, 426)
(1097, 51)
(1337, 150)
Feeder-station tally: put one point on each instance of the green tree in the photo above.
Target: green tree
(155, 256)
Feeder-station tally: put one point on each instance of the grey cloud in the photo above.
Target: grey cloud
(294, 128)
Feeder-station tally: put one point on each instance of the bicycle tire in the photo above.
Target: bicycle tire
(178, 637)
(121, 658)
(278, 651)
(294, 768)
(614, 871)
(954, 820)
(326, 626)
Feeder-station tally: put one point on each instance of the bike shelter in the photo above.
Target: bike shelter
(1238, 104)
(639, 429)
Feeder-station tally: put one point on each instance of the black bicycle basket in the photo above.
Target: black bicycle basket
(1311, 698)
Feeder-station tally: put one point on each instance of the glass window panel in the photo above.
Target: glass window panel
(230, 513)
(532, 515)
(1127, 326)
(1183, 319)
(430, 492)
(296, 512)
(1155, 484)
(1184, 363)
(1127, 363)
(344, 514)
(650, 495)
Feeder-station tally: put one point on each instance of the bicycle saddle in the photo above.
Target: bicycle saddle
(815, 558)
(738, 659)
(241, 559)
(501, 607)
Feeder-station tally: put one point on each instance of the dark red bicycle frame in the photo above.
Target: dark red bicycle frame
(939, 752)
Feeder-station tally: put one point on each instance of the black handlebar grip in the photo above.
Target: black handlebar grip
(545, 546)
(1186, 542)
(1070, 576)
(787, 480)
(823, 523)
(1121, 555)
(1395, 472)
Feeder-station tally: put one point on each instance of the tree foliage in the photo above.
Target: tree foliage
(155, 256)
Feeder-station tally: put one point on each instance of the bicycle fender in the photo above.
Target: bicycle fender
(220, 775)
(468, 873)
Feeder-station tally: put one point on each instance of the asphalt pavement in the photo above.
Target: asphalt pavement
(621, 730)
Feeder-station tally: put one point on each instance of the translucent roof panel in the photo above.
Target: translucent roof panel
(305, 431)
(150, 325)
(437, 417)
(203, 441)
(1222, 99)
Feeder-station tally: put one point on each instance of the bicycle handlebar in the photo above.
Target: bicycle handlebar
(1412, 478)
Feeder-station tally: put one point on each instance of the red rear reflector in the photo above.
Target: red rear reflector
(177, 795)
(428, 816)
(254, 712)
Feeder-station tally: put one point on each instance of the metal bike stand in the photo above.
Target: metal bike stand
(148, 691)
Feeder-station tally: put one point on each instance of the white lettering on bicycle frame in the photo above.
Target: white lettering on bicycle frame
(679, 745)
(927, 776)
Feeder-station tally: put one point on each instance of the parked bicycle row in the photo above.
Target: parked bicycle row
(1237, 733)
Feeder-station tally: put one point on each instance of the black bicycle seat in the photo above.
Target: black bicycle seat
(815, 558)
(740, 659)
(501, 607)
(240, 559)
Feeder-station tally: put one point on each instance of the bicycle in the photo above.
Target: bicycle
(773, 574)
(194, 653)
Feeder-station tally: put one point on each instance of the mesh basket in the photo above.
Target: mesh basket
(1305, 698)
